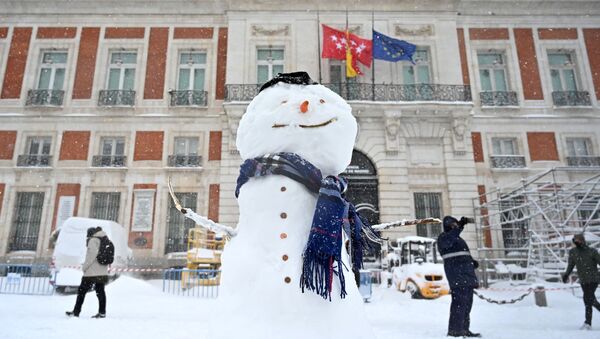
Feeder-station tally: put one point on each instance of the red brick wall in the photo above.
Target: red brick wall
(149, 236)
(214, 145)
(487, 233)
(148, 146)
(15, 65)
(464, 65)
(221, 64)
(157, 62)
(56, 32)
(65, 190)
(488, 33)
(477, 146)
(7, 144)
(530, 74)
(124, 33)
(542, 146)
(86, 63)
(592, 45)
(557, 33)
(213, 202)
(193, 33)
(3, 32)
(75, 145)
(2, 190)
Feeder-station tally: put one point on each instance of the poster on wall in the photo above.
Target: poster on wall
(143, 207)
(66, 209)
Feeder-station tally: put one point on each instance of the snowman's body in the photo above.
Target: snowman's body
(260, 295)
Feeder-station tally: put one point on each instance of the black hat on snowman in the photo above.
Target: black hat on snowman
(294, 78)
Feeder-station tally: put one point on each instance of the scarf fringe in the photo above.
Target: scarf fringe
(318, 272)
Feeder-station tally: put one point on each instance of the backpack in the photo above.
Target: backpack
(106, 252)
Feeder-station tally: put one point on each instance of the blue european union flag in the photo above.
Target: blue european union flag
(390, 49)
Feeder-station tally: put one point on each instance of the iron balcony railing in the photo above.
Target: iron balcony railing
(188, 98)
(500, 98)
(370, 92)
(507, 161)
(184, 160)
(116, 98)
(23, 243)
(109, 160)
(584, 161)
(44, 97)
(571, 98)
(34, 160)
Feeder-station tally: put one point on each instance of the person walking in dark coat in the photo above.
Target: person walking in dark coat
(586, 259)
(94, 274)
(460, 272)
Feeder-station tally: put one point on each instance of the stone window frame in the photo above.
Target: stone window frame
(96, 144)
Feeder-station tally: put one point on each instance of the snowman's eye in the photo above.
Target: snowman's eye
(283, 102)
(322, 101)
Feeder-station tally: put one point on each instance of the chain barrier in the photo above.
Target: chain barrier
(503, 302)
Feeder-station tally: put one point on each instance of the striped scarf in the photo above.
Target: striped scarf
(322, 258)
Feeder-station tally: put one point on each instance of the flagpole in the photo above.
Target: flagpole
(346, 60)
(319, 44)
(372, 59)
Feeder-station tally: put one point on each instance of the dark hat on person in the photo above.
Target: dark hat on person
(294, 78)
(448, 220)
(91, 231)
(579, 237)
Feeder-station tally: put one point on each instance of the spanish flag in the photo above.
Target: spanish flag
(352, 69)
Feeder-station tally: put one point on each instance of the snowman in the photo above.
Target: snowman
(287, 270)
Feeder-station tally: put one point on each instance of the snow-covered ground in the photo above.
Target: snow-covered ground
(139, 309)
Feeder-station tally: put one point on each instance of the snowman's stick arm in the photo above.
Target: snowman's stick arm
(198, 219)
(404, 222)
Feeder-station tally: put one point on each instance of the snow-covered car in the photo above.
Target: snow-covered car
(420, 271)
(70, 249)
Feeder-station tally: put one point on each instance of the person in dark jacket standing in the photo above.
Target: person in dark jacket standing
(460, 272)
(94, 274)
(586, 259)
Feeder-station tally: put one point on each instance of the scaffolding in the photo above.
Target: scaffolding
(524, 231)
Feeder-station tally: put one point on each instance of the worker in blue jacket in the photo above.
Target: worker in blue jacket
(460, 272)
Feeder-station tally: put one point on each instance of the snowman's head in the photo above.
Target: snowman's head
(309, 120)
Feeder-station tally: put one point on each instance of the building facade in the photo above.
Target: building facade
(100, 105)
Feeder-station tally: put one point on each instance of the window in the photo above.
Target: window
(37, 152)
(577, 147)
(492, 71)
(113, 146)
(52, 71)
(562, 71)
(26, 221)
(419, 72)
(178, 225)
(105, 205)
(186, 146)
(269, 62)
(192, 67)
(515, 226)
(428, 205)
(504, 146)
(121, 72)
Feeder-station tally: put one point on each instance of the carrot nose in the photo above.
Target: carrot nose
(304, 106)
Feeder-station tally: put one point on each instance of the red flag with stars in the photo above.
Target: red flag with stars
(335, 44)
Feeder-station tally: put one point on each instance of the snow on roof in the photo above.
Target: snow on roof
(415, 238)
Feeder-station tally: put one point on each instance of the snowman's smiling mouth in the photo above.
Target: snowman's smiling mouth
(306, 126)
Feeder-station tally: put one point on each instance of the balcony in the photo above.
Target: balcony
(498, 98)
(109, 160)
(370, 92)
(188, 98)
(584, 161)
(34, 160)
(44, 97)
(571, 98)
(184, 160)
(116, 98)
(507, 161)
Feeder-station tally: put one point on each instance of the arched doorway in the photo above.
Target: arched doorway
(363, 186)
